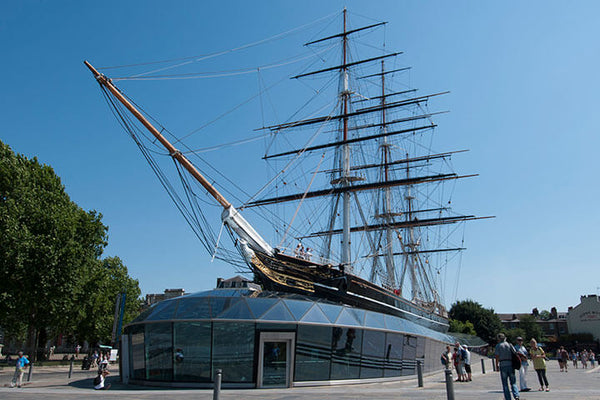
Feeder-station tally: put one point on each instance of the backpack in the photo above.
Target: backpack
(97, 380)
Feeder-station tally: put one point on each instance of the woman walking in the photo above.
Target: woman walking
(539, 364)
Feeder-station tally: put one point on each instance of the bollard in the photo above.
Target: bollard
(217, 390)
(449, 385)
(71, 368)
(482, 366)
(493, 365)
(30, 372)
(420, 374)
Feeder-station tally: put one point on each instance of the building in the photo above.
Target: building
(585, 317)
(267, 339)
(554, 326)
(153, 298)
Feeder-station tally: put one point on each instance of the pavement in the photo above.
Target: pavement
(53, 383)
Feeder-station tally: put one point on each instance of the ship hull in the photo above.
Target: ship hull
(289, 274)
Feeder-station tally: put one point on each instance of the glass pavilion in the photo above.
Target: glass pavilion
(267, 339)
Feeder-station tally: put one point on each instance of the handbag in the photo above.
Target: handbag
(515, 359)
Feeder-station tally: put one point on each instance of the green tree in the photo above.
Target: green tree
(462, 327)
(49, 247)
(530, 328)
(107, 279)
(485, 321)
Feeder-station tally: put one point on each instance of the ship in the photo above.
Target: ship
(366, 235)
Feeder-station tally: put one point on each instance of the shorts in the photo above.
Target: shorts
(468, 368)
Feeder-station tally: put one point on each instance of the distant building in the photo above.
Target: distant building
(237, 282)
(153, 298)
(554, 326)
(585, 317)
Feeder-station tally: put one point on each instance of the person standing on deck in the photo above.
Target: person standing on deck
(504, 365)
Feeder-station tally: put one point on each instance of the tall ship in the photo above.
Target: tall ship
(357, 204)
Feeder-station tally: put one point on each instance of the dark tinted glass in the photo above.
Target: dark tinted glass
(373, 352)
(409, 362)
(313, 353)
(278, 312)
(233, 351)
(239, 310)
(193, 308)
(394, 345)
(159, 352)
(297, 307)
(138, 365)
(192, 351)
(345, 357)
(163, 310)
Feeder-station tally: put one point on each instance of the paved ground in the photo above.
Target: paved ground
(53, 383)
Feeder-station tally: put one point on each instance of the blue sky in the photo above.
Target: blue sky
(524, 87)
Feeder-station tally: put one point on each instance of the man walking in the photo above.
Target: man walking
(22, 361)
(504, 365)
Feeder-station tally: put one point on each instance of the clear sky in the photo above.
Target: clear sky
(524, 89)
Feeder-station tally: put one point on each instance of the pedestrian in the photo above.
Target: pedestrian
(592, 358)
(22, 361)
(574, 356)
(468, 363)
(522, 352)
(539, 364)
(103, 364)
(563, 357)
(100, 381)
(584, 358)
(447, 358)
(77, 349)
(504, 352)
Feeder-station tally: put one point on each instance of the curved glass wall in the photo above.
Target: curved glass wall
(185, 340)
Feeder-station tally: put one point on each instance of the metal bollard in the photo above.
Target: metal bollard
(482, 366)
(30, 372)
(217, 390)
(449, 385)
(71, 367)
(420, 374)
(493, 365)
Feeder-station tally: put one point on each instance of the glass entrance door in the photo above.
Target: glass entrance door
(275, 359)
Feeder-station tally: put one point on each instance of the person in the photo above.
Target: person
(22, 361)
(308, 253)
(584, 358)
(574, 358)
(77, 350)
(539, 364)
(522, 352)
(100, 381)
(504, 365)
(563, 357)
(297, 251)
(592, 358)
(447, 358)
(460, 365)
(103, 364)
(467, 355)
(179, 357)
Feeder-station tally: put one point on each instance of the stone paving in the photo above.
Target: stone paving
(53, 383)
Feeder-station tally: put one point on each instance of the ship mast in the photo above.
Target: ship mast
(230, 215)
(345, 181)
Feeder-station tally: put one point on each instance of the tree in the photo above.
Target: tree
(462, 327)
(106, 281)
(530, 328)
(485, 321)
(49, 246)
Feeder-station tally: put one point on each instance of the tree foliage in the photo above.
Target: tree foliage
(462, 327)
(49, 248)
(485, 321)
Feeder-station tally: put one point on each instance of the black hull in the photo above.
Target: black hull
(289, 274)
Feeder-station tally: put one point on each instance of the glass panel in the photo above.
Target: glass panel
(332, 311)
(409, 362)
(220, 304)
(373, 352)
(138, 366)
(271, 327)
(315, 315)
(233, 351)
(394, 344)
(347, 318)
(192, 351)
(297, 307)
(345, 356)
(275, 364)
(163, 310)
(260, 306)
(239, 310)
(374, 320)
(194, 308)
(313, 353)
(159, 352)
(278, 312)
